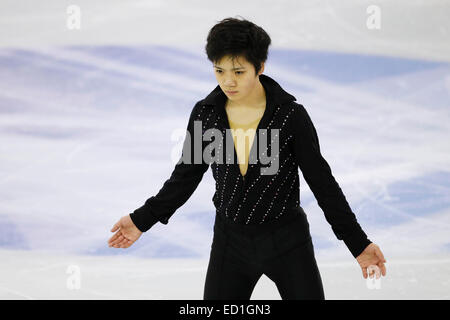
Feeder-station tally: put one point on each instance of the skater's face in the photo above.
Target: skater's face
(236, 77)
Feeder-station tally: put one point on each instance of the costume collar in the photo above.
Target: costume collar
(275, 96)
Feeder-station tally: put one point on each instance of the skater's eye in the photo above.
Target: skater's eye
(237, 72)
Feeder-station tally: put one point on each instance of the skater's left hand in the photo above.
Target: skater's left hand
(371, 255)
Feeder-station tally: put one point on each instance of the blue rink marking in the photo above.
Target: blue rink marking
(417, 197)
(347, 68)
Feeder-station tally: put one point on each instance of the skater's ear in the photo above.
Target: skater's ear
(262, 68)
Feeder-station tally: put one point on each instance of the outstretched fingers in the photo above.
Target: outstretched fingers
(382, 268)
(121, 241)
(117, 238)
(364, 271)
(114, 237)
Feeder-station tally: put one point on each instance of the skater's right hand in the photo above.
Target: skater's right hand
(127, 233)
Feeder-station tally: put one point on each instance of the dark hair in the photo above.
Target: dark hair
(235, 37)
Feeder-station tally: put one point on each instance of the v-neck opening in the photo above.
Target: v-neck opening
(253, 143)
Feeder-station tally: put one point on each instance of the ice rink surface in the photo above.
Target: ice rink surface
(90, 118)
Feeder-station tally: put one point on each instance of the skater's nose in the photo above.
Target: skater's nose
(229, 83)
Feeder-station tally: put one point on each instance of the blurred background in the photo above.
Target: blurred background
(94, 95)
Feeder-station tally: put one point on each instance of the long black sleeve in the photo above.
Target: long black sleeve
(177, 189)
(318, 175)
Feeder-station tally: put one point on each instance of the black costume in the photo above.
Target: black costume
(257, 201)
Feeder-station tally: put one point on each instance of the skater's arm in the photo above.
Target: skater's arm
(318, 175)
(177, 189)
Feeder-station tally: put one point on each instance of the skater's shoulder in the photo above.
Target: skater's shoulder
(297, 109)
(199, 109)
(296, 106)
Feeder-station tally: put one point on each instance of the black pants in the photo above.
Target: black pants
(282, 250)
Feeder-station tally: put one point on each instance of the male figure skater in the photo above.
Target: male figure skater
(260, 227)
